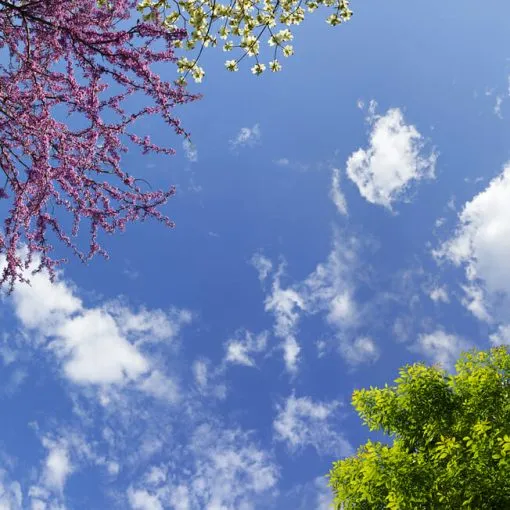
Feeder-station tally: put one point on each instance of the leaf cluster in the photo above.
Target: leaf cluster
(451, 439)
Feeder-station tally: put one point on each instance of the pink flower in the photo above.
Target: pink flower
(73, 57)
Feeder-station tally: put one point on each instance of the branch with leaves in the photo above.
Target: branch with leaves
(241, 25)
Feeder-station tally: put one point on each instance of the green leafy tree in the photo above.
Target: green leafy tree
(241, 26)
(450, 439)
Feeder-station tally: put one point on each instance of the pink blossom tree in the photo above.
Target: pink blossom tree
(69, 63)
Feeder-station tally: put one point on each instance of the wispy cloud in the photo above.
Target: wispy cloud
(246, 137)
(11, 496)
(190, 151)
(241, 349)
(262, 264)
(328, 291)
(223, 468)
(302, 422)
(336, 194)
(286, 306)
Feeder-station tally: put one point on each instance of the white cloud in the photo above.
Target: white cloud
(286, 305)
(441, 347)
(99, 345)
(324, 496)
(143, 500)
(222, 460)
(439, 294)
(209, 380)
(481, 245)
(57, 466)
(240, 350)
(148, 325)
(291, 350)
(327, 290)
(190, 151)
(160, 386)
(222, 470)
(394, 159)
(321, 346)
(95, 352)
(402, 328)
(302, 422)
(342, 308)
(262, 264)
(501, 336)
(200, 372)
(246, 137)
(42, 304)
(497, 106)
(475, 301)
(11, 496)
(336, 194)
(361, 350)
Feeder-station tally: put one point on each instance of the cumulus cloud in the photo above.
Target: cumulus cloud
(395, 158)
(481, 245)
(246, 137)
(94, 351)
(301, 422)
(101, 345)
(240, 350)
(336, 193)
(441, 347)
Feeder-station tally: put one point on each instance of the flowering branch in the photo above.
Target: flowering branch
(64, 124)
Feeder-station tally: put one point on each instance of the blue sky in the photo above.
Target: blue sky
(338, 220)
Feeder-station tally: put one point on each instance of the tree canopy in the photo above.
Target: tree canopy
(450, 439)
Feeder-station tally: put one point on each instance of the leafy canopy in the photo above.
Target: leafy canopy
(451, 439)
(241, 24)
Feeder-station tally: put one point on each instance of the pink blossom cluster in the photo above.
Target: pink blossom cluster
(76, 59)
